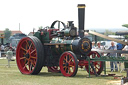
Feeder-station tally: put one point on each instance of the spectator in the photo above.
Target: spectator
(100, 47)
(2, 50)
(93, 45)
(113, 47)
(9, 56)
(126, 49)
(119, 47)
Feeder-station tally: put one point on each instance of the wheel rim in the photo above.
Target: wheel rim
(54, 69)
(68, 64)
(26, 56)
(98, 65)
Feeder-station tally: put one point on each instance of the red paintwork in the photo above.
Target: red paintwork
(26, 65)
(70, 69)
(50, 31)
(54, 69)
(82, 63)
(97, 64)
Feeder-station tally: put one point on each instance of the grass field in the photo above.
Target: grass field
(12, 76)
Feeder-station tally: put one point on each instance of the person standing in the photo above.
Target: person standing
(119, 47)
(112, 63)
(93, 45)
(100, 47)
(2, 50)
(9, 56)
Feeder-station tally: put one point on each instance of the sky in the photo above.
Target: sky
(31, 14)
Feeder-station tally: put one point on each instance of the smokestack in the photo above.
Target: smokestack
(81, 13)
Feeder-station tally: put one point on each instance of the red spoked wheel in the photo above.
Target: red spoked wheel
(98, 65)
(68, 64)
(55, 69)
(30, 55)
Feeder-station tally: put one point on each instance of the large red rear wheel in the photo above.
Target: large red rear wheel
(98, 65)
(29, 55)
(68, 64)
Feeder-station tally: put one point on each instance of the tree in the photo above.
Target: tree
(108, 32)
(40, 27)
(125, 25)
(7, 33)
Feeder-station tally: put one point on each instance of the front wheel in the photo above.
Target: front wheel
(68, 64)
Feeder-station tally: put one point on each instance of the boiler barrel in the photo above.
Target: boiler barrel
(81, 46)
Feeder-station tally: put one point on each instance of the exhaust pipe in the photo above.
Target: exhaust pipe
(81, 14)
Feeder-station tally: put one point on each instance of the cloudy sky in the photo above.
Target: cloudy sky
(34, 13)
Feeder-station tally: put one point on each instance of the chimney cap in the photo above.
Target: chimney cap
(81, 6)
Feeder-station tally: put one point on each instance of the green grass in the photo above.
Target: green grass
(12, 76)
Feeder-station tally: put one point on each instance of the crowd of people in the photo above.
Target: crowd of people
(4, 49)
(118, 46)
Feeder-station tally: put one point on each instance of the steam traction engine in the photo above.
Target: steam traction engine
(60, 49)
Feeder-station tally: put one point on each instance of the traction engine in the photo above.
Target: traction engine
(60, 49)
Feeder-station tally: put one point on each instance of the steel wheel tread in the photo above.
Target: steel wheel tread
(39, 55)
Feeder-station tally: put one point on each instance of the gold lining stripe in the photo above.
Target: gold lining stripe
(81, 6)
(71, 44)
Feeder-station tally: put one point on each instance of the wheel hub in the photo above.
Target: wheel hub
(27, 55)
(66, 64)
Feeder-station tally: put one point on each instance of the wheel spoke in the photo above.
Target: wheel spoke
(66, 59)
(24, 49)
(30, 46)
(25, 65)
(30, 66)
(33, 51)
(64, 67)
(71, 65)
(35, 62)
(70, 60)
(69, 70)
(27, 45)
(22, 58)
(33, 57)
(96, 67)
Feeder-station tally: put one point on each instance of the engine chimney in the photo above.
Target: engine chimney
(81, 13)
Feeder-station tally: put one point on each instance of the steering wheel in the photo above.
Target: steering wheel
(53, 24)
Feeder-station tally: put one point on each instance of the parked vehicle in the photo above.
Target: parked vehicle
(17, 36)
